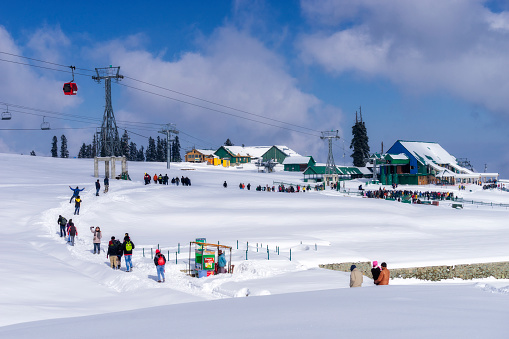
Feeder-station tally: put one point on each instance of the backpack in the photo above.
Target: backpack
(161, 260)
(117, 247)
(128, 246)
(63, 221)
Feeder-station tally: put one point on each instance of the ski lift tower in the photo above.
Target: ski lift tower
(108, 142)
(330, 175)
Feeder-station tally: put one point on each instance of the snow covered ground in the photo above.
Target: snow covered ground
(50, 289)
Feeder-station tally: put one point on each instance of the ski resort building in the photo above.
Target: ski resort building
(422, 163)
(199, 155)
(241, 154)
(279, 153)
(298, 163)
(316, 173)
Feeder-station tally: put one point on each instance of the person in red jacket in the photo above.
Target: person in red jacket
(384, 277)
(159, 261)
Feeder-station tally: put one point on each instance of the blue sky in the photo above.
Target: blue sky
(430, 71)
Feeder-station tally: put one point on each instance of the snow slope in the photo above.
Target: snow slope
(44, 280)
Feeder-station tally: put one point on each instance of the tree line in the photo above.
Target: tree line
(156, 150)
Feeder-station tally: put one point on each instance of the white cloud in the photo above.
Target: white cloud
(455, 46)
(231, 68)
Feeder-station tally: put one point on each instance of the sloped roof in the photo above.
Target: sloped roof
(428, 152)
(293, 160)
(252, 151)
(288, 151)
(206, 151)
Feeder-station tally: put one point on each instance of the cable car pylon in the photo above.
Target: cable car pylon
(108, 142)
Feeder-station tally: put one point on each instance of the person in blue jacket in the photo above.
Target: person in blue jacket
(221, 262)
(76, 191)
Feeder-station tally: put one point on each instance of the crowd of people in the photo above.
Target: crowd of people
(280, 188)
(165, 180)
(415, 196)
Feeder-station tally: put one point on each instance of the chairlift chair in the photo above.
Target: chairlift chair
(70, 88)
(6, 115)
(45, 125)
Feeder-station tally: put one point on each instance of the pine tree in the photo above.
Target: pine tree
(228, 142)
(150, 153)
(175, 150)
(133, 152)
(83, 151)
(124, 144)
(360, 142)
(165, 150)
(141, 154)
(54, 147)
(64, 153)
(159, 150)
(88, 151)
(93, 154)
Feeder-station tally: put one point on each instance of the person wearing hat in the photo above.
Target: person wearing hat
(355, 277)
(159, 261)
(384, 277)
(113, 248)
(375, 271)
(128, 247)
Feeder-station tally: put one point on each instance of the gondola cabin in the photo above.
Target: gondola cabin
(70, 88)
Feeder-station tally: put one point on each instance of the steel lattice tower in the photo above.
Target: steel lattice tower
(330, 167)
(108, 142)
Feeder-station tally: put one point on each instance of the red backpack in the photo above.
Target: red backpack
(161, 260)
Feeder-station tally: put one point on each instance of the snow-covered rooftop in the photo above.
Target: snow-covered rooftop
(288, 151)
(429, 152)
(206, 151)
(251, 151)
(296, 160)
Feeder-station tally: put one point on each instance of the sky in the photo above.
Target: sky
(262, 73)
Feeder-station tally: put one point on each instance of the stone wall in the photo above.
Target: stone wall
(498, 270)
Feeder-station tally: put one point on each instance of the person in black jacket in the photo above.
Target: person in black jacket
(106, 184)
(97, 187)
(375, 271)
(62, 222)
(159, 261)
(114, 246)
(127, 248)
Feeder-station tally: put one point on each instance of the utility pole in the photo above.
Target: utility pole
(168, 129)
(108, 143)
(330, 167)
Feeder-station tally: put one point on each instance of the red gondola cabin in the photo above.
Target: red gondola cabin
(70, 88)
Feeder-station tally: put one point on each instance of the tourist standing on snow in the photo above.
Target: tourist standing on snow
(225, 184)
(375, 271)
(97, 238)
(73, 232)
(355, 277)
(77, 205)
(106, 184)
(76, 193)
(221, 262)
(384, 277)
(155, 178)
(128, 247)
(97, 187)
(113, 248)
(159, 261)
(62, 222)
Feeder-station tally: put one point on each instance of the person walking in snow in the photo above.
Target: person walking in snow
(355, 277)
(97, 187)
(113, 248)
(384, 277)
(73, 232)
(155, 178)
(77, 205)
(225, 184)
(128, 247)
(106, 184)
(63, 223)
(159, 261)
(221, 262)
(375, 271)
(97, 238)
(76, 192)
